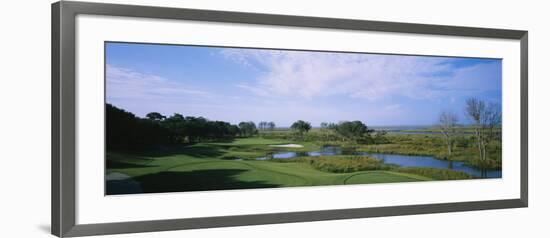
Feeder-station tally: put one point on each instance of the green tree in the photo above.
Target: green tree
(352, 130)
(179, 131)
(248, 128)
(271, 125)
(125, 131)
(301, 127)
(262, 125)
(155, 116)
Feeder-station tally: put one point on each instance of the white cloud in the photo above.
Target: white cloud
(256, 90)
(311, 74)
(125, 83)
(393, 107)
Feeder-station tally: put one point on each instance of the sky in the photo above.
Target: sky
(283, 86)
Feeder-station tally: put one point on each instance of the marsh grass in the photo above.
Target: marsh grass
(339, 163)
(349, 164)
(344, 164)
(434, 145)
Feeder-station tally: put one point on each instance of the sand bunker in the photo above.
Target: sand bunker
(288, 145)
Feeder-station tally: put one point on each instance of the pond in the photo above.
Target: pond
(401, 160)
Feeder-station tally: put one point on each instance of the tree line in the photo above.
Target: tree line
(126, 131)
(265, 125)
(129, 132)
(345, 131)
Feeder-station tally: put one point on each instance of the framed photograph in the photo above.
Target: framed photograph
(167, 118)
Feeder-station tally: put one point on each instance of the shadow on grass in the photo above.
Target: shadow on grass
(198, 151)
(200, 180)
(114, 164)
(126, 161)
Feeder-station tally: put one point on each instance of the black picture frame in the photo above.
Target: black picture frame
(64, 121)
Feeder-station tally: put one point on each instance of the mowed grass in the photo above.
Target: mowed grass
(206, 167)
(252, 148)
(252, 141)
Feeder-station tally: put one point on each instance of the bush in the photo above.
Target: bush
(485, 164)
(343, 164)
(437, 174)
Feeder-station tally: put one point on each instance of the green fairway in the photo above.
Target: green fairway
(251, 141)
(204, 167)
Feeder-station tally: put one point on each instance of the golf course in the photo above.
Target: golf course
(205, 167)
(189, 118)
(268, 160)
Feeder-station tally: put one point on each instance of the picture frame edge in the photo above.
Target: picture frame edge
(524, 111)
(279, 218)
(63, 121)
(55, 120)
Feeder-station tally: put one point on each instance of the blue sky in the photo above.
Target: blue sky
(232, 84)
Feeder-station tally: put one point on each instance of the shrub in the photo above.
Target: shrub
(485, 164)
(344, 164)
(437, 174)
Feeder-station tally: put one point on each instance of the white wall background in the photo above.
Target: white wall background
(25, 117)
